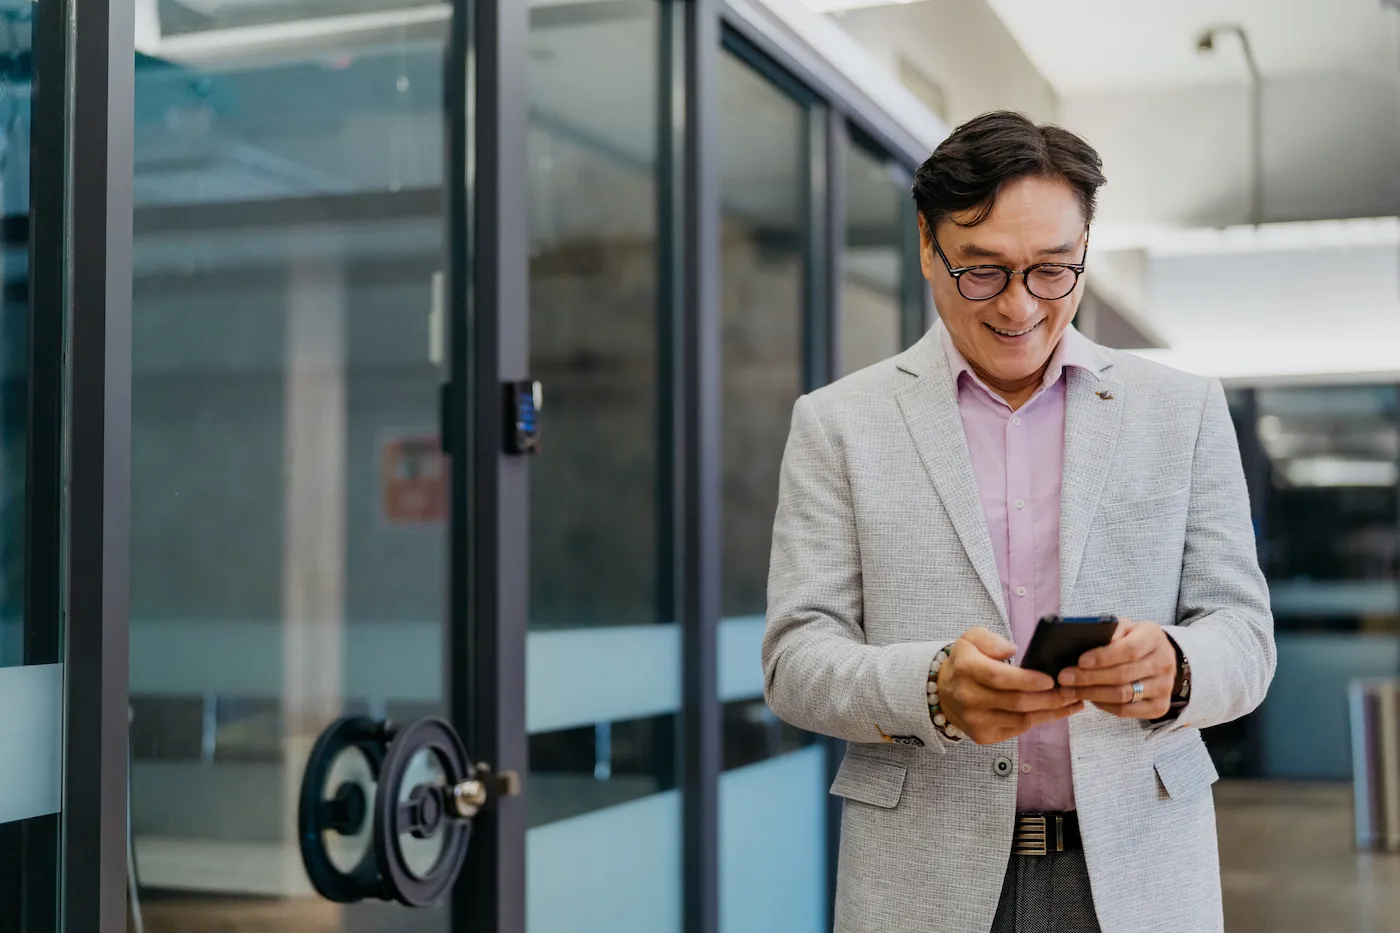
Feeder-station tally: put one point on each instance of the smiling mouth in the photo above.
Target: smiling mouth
(1013, 333)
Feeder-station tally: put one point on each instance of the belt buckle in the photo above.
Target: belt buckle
(1032, 836)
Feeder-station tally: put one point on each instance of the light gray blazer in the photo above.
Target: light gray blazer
(881, 556)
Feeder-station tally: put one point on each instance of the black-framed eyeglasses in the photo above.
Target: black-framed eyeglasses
(1048, 281)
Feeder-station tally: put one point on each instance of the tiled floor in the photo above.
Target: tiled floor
(1287, 866)
(1287, 863)
(300, 915)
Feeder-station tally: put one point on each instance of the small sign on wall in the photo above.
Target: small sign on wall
(412, 479)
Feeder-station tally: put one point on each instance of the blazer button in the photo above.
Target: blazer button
(1002, 766)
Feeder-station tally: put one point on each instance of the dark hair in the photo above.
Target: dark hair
(969, 167)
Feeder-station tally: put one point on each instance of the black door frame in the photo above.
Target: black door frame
(94, 306)
(489, 325)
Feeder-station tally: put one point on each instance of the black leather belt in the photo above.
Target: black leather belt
(1043, 833)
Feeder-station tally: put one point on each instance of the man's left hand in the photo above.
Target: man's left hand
(1105, 676)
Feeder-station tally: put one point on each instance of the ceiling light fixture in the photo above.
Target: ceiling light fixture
(1311, 235)
(1338, 471)
(841, 6)
(1205, 45)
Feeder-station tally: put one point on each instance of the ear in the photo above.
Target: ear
(927, 259)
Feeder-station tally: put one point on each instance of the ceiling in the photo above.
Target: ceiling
(1086, 46)
(1269, 302)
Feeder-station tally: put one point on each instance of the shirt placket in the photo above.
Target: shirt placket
(1021, 560)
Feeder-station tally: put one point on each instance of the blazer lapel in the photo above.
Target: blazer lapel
(1093, 413)
(930, 407)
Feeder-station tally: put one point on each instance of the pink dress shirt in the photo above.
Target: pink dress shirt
(1017, 458)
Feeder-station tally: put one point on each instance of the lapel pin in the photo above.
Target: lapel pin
(1106, 396)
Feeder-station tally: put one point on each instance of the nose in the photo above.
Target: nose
(1016, 302)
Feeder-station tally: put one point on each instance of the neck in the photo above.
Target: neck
(1016, 392)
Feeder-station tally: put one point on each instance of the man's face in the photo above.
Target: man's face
(1008, 339)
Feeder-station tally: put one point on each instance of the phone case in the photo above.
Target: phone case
(1059, 643)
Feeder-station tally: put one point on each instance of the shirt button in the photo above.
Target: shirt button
(1020, 591)
(1016, 420)
(1025, 768)
(1020, 503)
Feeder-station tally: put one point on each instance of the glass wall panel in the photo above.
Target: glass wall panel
(1328, 511)
(872, 270)
(1332, 518)
(763, 190)
(288, 489)
(772, 792)
(31, 642)
(603, 659)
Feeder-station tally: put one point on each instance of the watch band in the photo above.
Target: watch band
(1181, 687)
(1181, 693)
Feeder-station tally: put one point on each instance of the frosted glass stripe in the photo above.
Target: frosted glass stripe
(576, 677)
(1334, 598)
(192, 658)
(612, 871)
(772, 845)
(31, 740)
(239, 658)
(739, 664)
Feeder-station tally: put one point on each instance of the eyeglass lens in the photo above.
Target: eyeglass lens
(1047, 283)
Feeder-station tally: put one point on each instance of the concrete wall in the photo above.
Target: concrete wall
(1182, 156)
(963, 47)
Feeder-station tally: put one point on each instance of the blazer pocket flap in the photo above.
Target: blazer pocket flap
(1185, 769)
(868, 780)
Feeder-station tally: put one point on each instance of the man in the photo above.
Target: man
(935, 506)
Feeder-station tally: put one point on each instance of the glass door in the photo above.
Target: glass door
(882, 306)
(32, 186)
(290, 499)
(604, 844)
(773, 787)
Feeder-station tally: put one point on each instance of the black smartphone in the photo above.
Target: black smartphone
(1058, 642)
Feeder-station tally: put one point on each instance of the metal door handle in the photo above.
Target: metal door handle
(441, 808)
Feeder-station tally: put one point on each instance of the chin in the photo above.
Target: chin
(1018, 362)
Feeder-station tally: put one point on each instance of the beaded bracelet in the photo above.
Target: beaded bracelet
(945, 728)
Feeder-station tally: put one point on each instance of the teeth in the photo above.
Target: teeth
(1014, 333)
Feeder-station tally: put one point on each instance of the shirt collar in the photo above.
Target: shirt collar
(1074, 349)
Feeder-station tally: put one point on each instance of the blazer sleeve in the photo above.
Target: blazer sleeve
(1224, 626)
(819, 674)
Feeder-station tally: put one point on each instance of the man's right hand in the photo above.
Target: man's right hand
(993, 701)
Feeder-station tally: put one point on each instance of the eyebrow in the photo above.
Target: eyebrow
(973, 251)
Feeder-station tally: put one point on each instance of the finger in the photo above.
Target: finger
(1155, 664)
(989, 644)
(987, 727)
(1154, 709)
(1154, 688)
(996, 675)
(992, 726)
(1015, 701)
(1053, 715)
(1123, 628)
(1138, 643)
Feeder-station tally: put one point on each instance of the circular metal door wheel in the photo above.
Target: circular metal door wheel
(335, 827)
(428, 793)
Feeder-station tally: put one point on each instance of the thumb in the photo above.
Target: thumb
(993, 646)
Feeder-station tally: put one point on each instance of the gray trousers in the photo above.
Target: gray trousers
(1046, 894)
